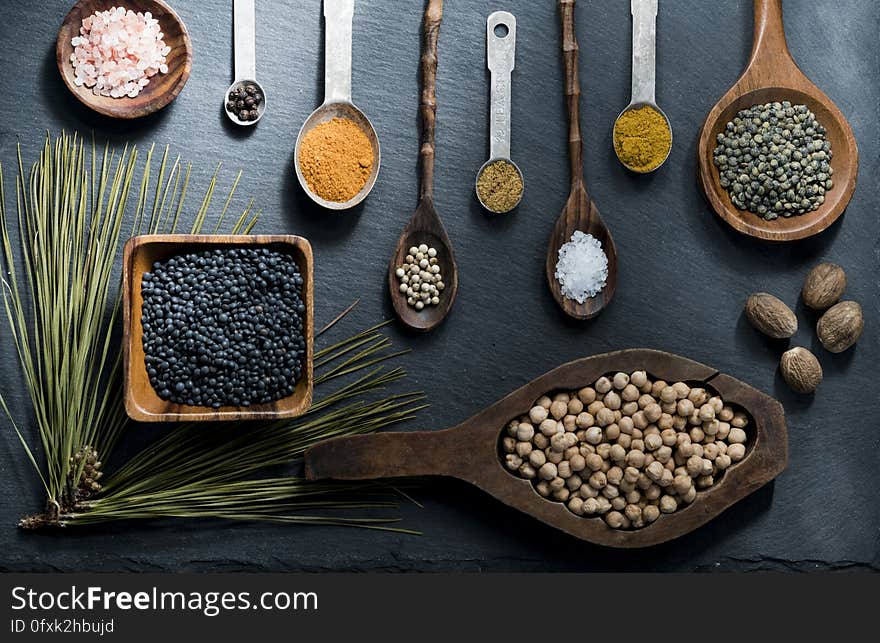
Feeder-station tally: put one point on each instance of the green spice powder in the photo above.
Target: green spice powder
(500, 186)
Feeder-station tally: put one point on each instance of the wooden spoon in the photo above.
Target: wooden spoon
(470, 451)
(579, 213)
(425, 225)
(772, 75)
(162, 88)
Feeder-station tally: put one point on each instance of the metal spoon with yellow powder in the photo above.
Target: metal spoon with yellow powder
(642, 133)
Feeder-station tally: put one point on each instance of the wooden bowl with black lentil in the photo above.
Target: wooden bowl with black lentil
(270, 370)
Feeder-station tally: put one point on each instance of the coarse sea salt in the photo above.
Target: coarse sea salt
(117, 52)
(582, 267)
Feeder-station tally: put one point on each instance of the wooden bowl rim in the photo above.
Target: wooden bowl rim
(124, 110)
(294, 405)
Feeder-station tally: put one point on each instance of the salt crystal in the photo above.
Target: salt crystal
(582, 267)
(117, 52)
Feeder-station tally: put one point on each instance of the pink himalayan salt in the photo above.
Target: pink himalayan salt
(117, 52)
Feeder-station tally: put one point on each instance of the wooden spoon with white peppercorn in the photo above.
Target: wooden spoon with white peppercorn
(425, 226)
(579, 213)
(470, 451)
(772, 75)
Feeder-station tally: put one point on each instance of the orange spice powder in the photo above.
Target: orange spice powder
(336, 159)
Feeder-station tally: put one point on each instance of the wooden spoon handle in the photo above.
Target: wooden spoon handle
(572, 91)
(769, 49)
(428, 107)
(384, 455)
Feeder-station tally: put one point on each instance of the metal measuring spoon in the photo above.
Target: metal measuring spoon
(500, 57)
(644, 59)
(338, 16)
(245, 44)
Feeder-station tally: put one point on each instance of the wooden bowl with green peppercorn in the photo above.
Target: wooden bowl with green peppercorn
(206, 342)
(787, 192)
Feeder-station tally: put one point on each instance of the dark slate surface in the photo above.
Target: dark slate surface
(684, 275)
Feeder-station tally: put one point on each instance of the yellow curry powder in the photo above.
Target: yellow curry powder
(642, 138)
(336, 159)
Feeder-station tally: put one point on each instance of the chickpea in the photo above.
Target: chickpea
(723, 431)
(617, 453)
(523, 449)
(653, 441)
(645, 400)
(663, 454)
(635, 459)
(537, 458)
(537, 414)
(563, 469)
(704, 482)
(569, 424)
(628, 409)
(710, 451)
(612, 432)
(668, 504)
(694, 465)
(575, 406)
(653, 412)
(602, 385)
(549, 427)
(570, 452)
(665, 422)
(586, 449)
(558, 442)
(594, 435)
(679, 423)
(638, 378)
(614, 519)
(591, 506)
(650, 513)
(527, 471)
(684, 408)
(598, 480)
(561, 494)
(574, 482)
(626, 425)
(511, 428)
(594, 462)
(604, 450)
(634, 496)
(697, 434)
(658, 386)
(711, 427)
(618, 503)
(653, 492)
(690, 496)
(736, 436)
(698, 396)
(723, 461)
(604, 416)
(558, 409)
(639, 420)
(541, 441)
(626, 487)
(630, 393)
(547, 471)
(586, 491)
(620, 381)
(576, 506)
(543, 488)
(557, 483)
(508, 444)
(525, 432)
(512, 461)
(681, 483)
(624, 440)
(587, 395)
(633, 512)
(681, 390)
(654, 471)
(707, 412)
(698, 450)
(544, 401)
(644, 482)
(739, 420)
(584, 420)
(614, 475)
(668, 395)
(637, 444)
(736, 451)
(612, 400)
(725, 414)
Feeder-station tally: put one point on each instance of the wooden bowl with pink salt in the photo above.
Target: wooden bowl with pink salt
(124, 59)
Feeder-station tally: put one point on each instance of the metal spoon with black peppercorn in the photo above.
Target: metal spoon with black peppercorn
(245, 100)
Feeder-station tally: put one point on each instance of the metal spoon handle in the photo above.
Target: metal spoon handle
(501, 59)
(644, 16)
(245, 26)
(337, 50)
(428, 104)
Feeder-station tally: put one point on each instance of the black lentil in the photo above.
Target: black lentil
(224, 327)
(245, 101)
(774, 160)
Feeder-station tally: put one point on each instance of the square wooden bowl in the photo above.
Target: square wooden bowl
(142, 403)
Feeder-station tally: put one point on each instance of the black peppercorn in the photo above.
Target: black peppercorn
(250, 102)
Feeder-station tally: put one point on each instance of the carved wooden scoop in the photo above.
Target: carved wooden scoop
(579, 213)
(425, 225)
(772, 75)
(470, 451)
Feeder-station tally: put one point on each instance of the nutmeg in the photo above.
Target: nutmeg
(800, 370)
(841, 326)
(771, 316)
(824, 286)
